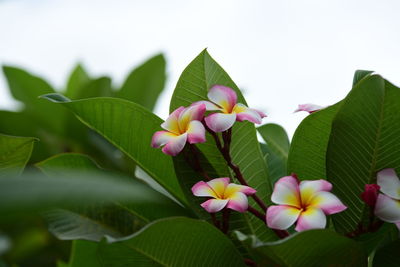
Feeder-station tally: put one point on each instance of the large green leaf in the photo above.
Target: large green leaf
(92, 222)
(32, 192)
(173, 242)
(145, 83)
(309, 248)
(27, 88)
(84, 253)
(277, 149)
(363, 141)
(388, 255)
(14, 154)
(129, 127)
(307, 154)
(202, 73)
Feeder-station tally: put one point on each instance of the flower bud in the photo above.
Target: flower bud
(370, 194)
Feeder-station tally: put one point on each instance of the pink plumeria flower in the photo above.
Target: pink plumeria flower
(310, 108)
(223, 194)
(183, 125)
(224, 99)
(307, 202)
(387, 207)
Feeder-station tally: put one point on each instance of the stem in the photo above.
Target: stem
(195, 164)
(249, 262)
(225, 151)
(225, 220)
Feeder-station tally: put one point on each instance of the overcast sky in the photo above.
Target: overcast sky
(281, 53)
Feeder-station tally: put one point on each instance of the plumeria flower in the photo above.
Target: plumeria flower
(183, 125)
(387, 207)
(307, 202)
(223, 194)
(310, 108)
(224, 99)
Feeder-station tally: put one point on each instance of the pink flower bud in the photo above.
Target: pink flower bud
(370, 194)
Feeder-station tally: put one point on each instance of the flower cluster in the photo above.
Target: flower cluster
(185, 125)
(306, 202)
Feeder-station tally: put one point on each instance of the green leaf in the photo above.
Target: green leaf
(363, 141)
(388, 255)
(202, 73)
(130, 128)
(27, 88)
(145, 83)
(359, 75)
(309, 248)
(77, 80)
(92, 222)
(33, 192)
(84, 253)
(307, 154)
(277, 149)
(173, 242)
(14, 154)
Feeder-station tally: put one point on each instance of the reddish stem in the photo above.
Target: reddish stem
(225, 220)
(225, 151)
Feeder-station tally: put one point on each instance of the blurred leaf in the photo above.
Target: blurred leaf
(129, 127)
(173, 242)
(309, 248)
(277, 149)
(77, 80)
(359, 75)
(32, 192)
(92, 222)
(84, 254)
(388, 255)
(202, 73)
(145, 83)
(27, 89)
(14, 154)
(307, 154)
(363, 141)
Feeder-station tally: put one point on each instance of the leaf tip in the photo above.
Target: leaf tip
(56, 98)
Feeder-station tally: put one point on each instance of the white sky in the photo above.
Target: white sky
(281, 52)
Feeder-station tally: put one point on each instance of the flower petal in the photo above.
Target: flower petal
(310, 108)
(387, 209)
(245, 113)
(238, 202)
(219, 185)
(191, 113)
(389, 182)
(160, 138)
(281, 217)
(286, 192)
(171, 123)
(202, 189)
(309, 188)
(209, 105)
(398, 225)
(312, 218)
(219, 122)
(233, 188)
(214, 205)
(196, 132)
(328, 202)
(223, 96)
(175, 145)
